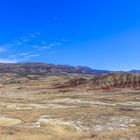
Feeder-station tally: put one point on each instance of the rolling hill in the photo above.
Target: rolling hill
(113, 80)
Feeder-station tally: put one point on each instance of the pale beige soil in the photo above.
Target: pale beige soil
(35, 110)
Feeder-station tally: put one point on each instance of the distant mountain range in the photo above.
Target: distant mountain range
(134, 71)
(51, 69)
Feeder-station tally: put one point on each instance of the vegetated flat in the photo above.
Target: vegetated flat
(32, 107)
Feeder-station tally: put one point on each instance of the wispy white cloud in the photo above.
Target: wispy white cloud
(46, 46)
(38, 33)
(28, 47)
(40, 47)
(28, 54)
(65, 40)
(28, 57)
(5, 47)
(33, 55)
(8, 60)
(55, 44)
(17, 42)
(24, 39)
(53, 52)
(31, 35)
(25, 56)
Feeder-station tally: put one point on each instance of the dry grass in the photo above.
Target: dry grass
(132, 134)
(47, 132)
(9, 121)
(31, 137)
(26, 101)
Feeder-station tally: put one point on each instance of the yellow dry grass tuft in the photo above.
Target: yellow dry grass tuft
(66, 131)
(9, 121)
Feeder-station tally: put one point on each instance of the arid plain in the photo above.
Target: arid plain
(36, 107)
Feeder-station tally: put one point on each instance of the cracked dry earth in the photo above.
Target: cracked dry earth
(30, 113)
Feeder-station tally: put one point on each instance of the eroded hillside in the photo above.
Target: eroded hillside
(109, 81)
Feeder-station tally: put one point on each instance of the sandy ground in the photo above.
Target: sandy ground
(28, 110)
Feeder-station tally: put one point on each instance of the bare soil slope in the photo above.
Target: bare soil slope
(109, 81)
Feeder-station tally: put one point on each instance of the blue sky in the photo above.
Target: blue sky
(102, 34)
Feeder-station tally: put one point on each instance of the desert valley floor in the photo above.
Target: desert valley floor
(31, 108)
